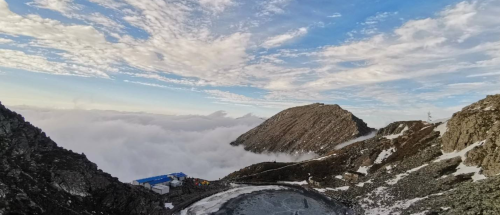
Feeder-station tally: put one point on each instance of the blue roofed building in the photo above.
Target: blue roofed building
(145, 180)
(179, 176)
(160, 183)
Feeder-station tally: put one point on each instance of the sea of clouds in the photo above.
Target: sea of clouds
(136, 145)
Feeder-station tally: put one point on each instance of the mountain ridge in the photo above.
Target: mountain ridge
(314, 128)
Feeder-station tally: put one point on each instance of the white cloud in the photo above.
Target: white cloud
(21, 60)
(62, 6)
(136, 145)
(418, 48)
(233, 98)
(70, 9)
(272, 7)
(188, 49)
(184, 81)
(113, 4)
(216, 6)
(155, 85)
(4, 41)
(451, 90)
(335, 15)
(279, 40)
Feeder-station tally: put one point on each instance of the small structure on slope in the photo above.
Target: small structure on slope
(161, 189)
(161, 184)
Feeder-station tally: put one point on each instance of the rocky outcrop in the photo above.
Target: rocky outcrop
(408, 167)
(39, 177)
(312, 128)
(477, 122)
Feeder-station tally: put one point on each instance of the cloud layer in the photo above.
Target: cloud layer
(134, 145)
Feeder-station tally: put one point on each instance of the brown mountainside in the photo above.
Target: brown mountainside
(312, 128)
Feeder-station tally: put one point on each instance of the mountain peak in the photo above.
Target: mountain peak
(310, 128)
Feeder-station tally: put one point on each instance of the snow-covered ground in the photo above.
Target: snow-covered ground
(442, 128)
(169, 205)
(294, 182)
(402, 175)
(462, 168)
(394, 136)
(364, 169)
(462, 153)
(322, 190)
(213, 203)
(385, 154)
(375, 202)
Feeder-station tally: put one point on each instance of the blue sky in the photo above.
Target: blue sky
(383, 60)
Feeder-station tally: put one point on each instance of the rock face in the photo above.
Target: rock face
(317, 128)
(38, 177)
(410, 167)
(477, 122)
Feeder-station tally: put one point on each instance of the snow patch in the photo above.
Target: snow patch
(339, 177)
(362, 184)
(341, 188)
(463, 169)
(213, 203)
(294, 182)
(462, 153)
(385, 154)
(363, 169)
(380, 197)
(402, 175)
(322, 190)
(443, 128)
(394, 136)
(169, 205)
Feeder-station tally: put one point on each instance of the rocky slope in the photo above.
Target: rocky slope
(411, 167)
(312, 128)
(38, 177)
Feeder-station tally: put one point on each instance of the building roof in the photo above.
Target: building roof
(160, 177)
(159, 181)
(179, 174)
(144, 180)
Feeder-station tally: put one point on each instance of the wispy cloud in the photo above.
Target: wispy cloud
(271, 7)
(335, 15)
(4, 41)
(418, 48)
(216, 6)
(279, 40)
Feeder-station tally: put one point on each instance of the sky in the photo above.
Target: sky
(383, 60)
